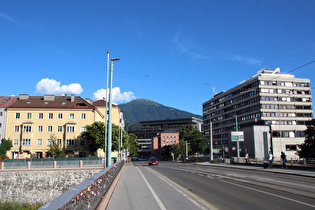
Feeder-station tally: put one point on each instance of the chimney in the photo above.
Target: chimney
(72, 98)
(49, 97)
(89, 101)
(24, 96)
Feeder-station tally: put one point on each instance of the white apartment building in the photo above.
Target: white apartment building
(270, 108)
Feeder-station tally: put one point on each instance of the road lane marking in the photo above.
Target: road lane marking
(152, 191)
(187, 194)
(272, 194)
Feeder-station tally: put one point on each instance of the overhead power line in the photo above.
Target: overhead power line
(166, 78)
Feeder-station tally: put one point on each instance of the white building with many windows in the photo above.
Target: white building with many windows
(270, 108)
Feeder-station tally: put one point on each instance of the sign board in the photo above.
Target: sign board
(237, 136)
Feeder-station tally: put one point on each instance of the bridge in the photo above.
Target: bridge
(172, 185)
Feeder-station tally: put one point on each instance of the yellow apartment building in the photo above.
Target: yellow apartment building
(33, 120)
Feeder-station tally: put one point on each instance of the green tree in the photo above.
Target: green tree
(167, 151)
(307, 149)
(95, 136)
(133, 145)
(6, 145)
(55, 150)
(197, 142)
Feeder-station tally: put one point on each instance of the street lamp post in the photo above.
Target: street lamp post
(109, 145)
(106, 106)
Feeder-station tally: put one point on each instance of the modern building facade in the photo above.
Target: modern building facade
(270, 108)
(32, 122)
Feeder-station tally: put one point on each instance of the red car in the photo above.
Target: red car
(153, 161)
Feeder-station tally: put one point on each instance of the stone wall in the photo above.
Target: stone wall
(35, 187)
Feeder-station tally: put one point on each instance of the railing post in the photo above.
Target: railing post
(55, 164)
(28, 164)
(81, 164)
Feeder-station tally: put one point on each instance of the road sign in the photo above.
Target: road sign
(237, 136)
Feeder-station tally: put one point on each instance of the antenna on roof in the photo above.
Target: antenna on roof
(213, 90)
(258, 65)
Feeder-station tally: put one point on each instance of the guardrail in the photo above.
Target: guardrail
(52, 163)
(89, 193)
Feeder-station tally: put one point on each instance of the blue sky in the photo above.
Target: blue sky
(172, 52)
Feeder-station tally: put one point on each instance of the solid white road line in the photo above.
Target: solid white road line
(275, 195)
(152, 191)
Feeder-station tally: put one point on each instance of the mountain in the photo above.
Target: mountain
(143, 110)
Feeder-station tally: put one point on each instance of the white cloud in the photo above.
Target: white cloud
(51, 86)
(117, 96)
(244, 59)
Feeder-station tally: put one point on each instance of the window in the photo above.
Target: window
(290, 147)
(15, 141)
(16, 128)
(70, 129)
(71, 116)
(59, 142)
(27, 128)
(70, 142)
(26, 142)
(29, 116)
(40, 128)
(83, 116)
(39, 141)
(60, 116)
(59, 129)
(17, 115)
(0, 114)
(40, 116)
(48, 142)
(82, 142)
(50, 116)
(49, 128)
(82, 128)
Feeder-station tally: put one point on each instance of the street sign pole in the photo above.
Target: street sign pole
(237, 143)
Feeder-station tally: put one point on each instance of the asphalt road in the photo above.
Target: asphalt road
(234, 188)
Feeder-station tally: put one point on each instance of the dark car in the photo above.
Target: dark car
(153, 161)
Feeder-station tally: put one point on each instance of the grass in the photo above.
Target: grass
(18, 206)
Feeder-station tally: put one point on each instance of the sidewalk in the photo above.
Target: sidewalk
(140, 188)
(297, 172)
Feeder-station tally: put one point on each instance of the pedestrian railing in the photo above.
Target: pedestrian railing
(52, 163)
(89, 193)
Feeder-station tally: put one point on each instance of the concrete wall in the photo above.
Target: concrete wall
(39, 186)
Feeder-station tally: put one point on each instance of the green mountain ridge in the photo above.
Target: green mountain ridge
(144, 109)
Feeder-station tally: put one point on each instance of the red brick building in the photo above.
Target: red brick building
(162, 139)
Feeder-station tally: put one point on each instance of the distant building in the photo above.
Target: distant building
(270, 108)
(166, 138)
(5, 102)
(153, 128)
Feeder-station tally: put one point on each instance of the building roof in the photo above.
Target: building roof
(101, 103)
(6, 101)
(51, 101)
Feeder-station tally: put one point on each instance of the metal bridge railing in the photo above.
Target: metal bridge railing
(89, 193)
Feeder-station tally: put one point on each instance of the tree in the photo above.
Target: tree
(55, 150)
(133, 145)
(307, 149)
(95, 136)
(6, 145)
(197, 142)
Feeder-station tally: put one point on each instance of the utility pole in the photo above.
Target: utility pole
(106, 100)
(109, 145)
(237, 143)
